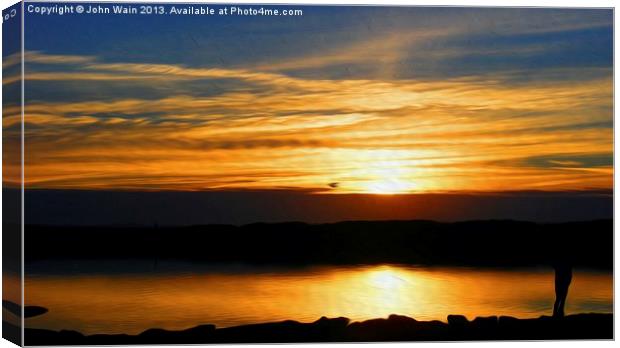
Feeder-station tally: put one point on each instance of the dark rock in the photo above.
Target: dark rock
(201, 329)
(33, 311)
(29, 311)
(394, 328)
(154, 333)
(12, 333)
(507, 320)
(12, 307)
(70, 334)
(457, 320)
(333, 322)
(485, 322)
(103, 339)
(330, 329)
(400, 318)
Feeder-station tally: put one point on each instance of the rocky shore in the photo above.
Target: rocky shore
(394, 328)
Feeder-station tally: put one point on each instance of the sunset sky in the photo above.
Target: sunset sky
(341, 100)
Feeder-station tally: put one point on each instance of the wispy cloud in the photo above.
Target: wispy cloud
(364, 100)
(273, 130)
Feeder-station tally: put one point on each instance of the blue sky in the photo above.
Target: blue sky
(434, 42)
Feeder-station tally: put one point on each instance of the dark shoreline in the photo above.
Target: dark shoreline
(593, 326)
(495, 243)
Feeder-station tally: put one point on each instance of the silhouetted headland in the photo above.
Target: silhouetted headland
(473, 243)
(394, 328)
(28, 311)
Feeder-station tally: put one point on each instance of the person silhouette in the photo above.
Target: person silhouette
(563, 277)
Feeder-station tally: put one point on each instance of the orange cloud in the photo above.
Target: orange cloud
(382, 136)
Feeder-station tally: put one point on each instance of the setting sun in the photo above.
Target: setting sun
(390, 186)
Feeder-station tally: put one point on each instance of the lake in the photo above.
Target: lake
(87, 297)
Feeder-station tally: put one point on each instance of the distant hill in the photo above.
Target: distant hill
(472, 243)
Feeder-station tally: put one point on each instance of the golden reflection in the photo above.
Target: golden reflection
(133, 303)
(387, 279)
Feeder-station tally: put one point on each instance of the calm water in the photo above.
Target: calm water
(177, 296)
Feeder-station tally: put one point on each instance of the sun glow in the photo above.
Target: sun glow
(390, 187)
(386, 278)
(322, 136)
(388, 177)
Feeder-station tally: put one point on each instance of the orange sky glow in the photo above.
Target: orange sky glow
(274, 130)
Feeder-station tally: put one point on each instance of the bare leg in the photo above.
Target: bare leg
(563, 277)
(561, 291)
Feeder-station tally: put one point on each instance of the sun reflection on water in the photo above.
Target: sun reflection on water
(131, 303)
